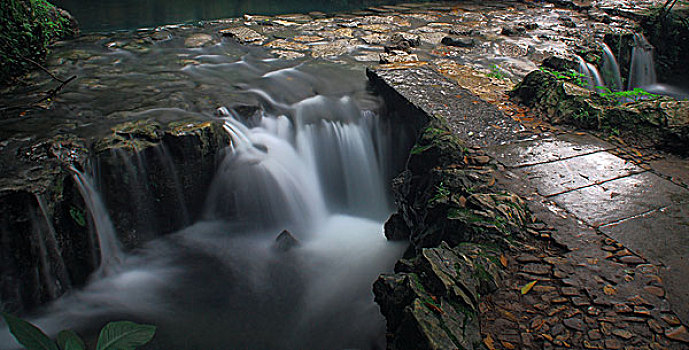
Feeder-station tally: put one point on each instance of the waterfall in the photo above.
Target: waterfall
(311, 161)
(642, 71)
(611, 70)
(166, 160)
(319, 157)
(59, 280)
(589, 70)
(110, 251)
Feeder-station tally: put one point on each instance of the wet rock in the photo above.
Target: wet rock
(432, 305)
(403, 41)
(396, 229)
(512, 31)
(623, 333)
(333, 48)
(244, 35)
(285, 242)
(397, 57)
(192, 146)
(559, 63)
(198, 40)
(161, 35)
(678, 334)
(287, 55)
(575, 323)
(529, 25)
(458, 42)
(286, 45)
(567, 21)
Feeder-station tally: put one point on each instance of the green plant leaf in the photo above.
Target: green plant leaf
(68, 340)
(27, 334)
(124, 335)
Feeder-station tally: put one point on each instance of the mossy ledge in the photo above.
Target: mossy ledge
(661, 122)
(458, 222)
(48, 232)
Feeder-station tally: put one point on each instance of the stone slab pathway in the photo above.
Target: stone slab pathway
(611, 258)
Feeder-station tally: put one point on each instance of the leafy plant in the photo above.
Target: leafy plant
(120, 335)
(624, 96)
(569, 75)
(78, 216)
(495, 72)
(441, 192)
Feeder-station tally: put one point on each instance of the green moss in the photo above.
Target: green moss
(420, 149)
(27, 28)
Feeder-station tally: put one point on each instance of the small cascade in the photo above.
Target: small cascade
(319, 157)
(611, 70)
(59, 280)
(110, 251)
(642, 71)
(169, 167)
(589, 70)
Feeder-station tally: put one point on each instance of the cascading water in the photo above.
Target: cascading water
(311, 161)
(611, 70)
(589, 70)
(642, 70)
(59, 277)
(109, 247)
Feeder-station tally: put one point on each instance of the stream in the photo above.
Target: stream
(315, 160)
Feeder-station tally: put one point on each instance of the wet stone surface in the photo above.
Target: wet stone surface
(548, 150)
(573, 173)
(622, 198)
(473, 120)
(661, 237)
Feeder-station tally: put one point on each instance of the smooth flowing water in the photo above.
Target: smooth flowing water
(106, 15)
(590, 72)
(611, 69)
(642, 71)
(316, 160)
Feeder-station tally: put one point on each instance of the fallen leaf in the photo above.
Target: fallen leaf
(503, 260)
(609, 290)
(490, 344)
(528, 287)
(507, 345)
(547, 337)
(433, 307)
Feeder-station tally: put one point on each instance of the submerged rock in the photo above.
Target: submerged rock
(244, 35)
(198, 40)
(285, 241)
(458, 42)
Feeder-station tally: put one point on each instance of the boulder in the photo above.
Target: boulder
(396, 229)
(285, 241)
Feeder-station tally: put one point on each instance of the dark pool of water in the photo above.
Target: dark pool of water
(108, 15)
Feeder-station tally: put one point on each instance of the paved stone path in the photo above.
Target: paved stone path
(612, 243)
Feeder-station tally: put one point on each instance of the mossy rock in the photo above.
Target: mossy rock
(27, 29)
(433, 304)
